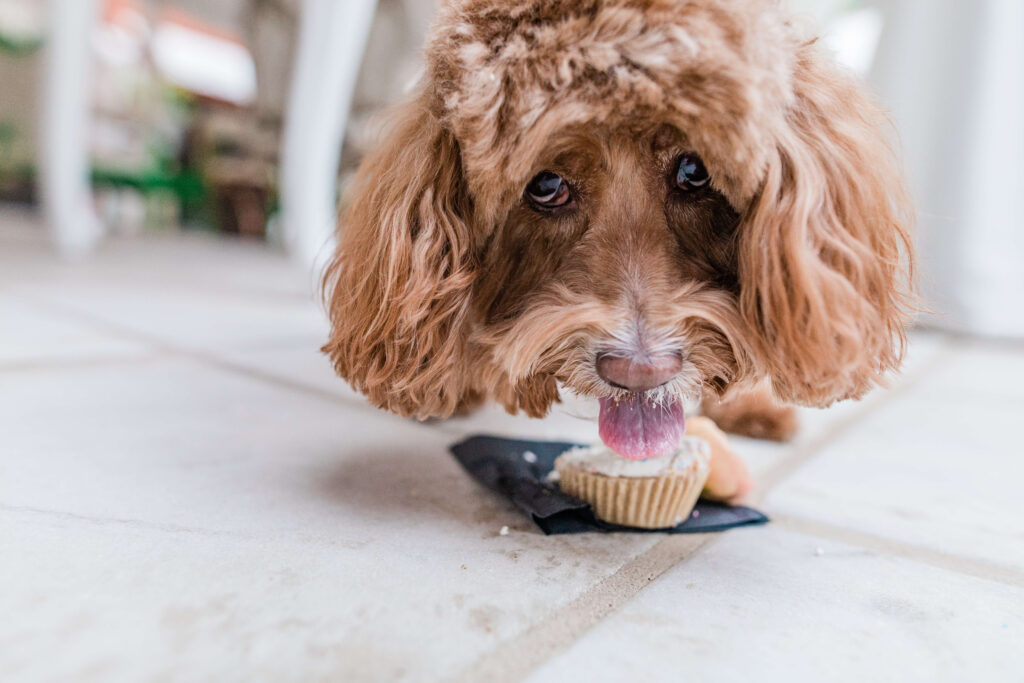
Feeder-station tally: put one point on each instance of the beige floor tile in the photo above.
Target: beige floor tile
(186, 521)
(769, 605)
(820, 425)
(30, 336)
(187, 318)
(195, 290)
(937, 467)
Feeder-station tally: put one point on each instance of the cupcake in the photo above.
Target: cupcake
(656, 493)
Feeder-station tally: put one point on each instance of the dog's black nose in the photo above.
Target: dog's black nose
(638, 376)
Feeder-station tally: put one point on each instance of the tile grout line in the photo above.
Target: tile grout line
(514, 659)
(137, 524)
(102, 325)
(977, 568)
(986, 341)
(228, 291)
(517, 657)
(806, 451)
(148, 356)
(159, 346)
(133, 524)
(120, 331)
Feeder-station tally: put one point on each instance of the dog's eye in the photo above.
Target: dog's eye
(691, 174)
(548, 190)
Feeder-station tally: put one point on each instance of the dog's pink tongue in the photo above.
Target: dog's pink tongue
(637, 429)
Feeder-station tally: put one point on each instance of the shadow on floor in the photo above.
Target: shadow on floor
(394, 484)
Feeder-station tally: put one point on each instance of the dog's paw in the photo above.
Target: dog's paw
(729, 480)
(755, 414)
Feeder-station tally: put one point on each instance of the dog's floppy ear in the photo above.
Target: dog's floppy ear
(823, 286)
(398, 288)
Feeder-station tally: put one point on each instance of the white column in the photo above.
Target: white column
(993, 293)
(332, 37)
(953, 74)
(64, 138)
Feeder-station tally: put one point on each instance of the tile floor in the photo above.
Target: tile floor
(188, 494)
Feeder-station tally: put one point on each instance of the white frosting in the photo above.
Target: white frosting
(600, 459)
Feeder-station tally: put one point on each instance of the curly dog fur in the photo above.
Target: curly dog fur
(791, 270)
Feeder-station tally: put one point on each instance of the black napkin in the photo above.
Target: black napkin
(506, 466)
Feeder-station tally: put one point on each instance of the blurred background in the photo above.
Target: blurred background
(122, 118)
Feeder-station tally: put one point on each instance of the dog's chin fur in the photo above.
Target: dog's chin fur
(792, 269)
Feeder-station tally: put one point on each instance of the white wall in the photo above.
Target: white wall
(952, 73)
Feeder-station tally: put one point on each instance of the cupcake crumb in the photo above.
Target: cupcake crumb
(695, 514)
(530, 457)
(504, 531)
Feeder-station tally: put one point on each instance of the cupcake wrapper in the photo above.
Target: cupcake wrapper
(644, 502)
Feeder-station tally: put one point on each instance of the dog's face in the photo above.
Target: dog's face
(616, 274)
(640, 202)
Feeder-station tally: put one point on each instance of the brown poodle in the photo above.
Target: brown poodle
(642, 201)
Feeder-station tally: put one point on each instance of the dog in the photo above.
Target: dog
(647, 202)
